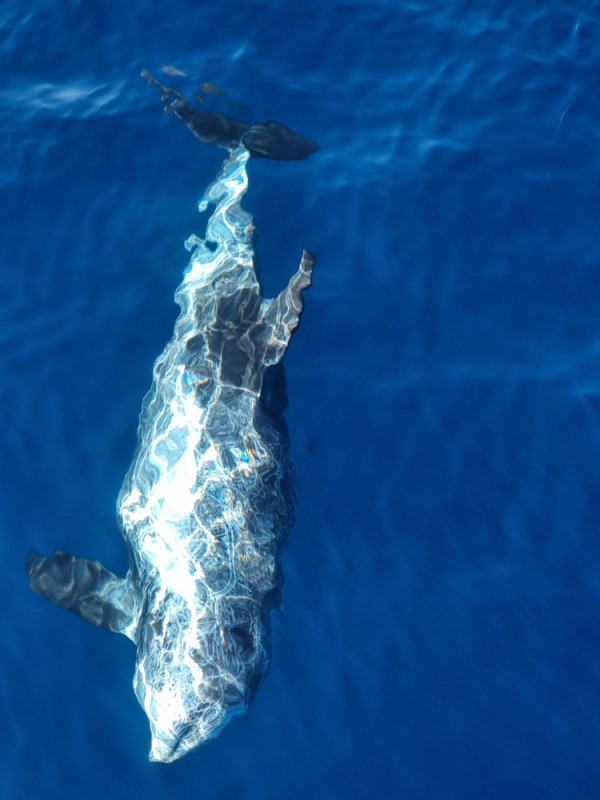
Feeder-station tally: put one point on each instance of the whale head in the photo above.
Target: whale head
(198, 666)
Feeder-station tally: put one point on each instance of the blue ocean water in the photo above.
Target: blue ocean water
(439, 630)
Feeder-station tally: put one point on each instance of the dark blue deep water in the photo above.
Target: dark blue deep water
(440, 631)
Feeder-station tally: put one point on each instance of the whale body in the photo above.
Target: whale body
(206, 503)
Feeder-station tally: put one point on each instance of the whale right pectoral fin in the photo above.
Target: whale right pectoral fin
(87, 589)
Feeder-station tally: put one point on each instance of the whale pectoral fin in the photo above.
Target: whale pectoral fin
(86, 588)
(284, 311)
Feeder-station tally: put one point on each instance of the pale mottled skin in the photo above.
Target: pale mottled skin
(206, 503)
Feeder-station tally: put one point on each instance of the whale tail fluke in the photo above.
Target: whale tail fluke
(271, 139)
(85, 588)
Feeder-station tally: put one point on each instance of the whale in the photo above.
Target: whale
(207, 501)
(269, 139)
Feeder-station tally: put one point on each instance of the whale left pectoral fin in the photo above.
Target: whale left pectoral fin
(86, 588)
(283, 313)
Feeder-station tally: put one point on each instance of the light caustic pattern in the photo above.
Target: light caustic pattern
(206, 502)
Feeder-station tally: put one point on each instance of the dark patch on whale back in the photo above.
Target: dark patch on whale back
(274, 397)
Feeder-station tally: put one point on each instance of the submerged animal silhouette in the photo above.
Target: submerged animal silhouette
(264, 140)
